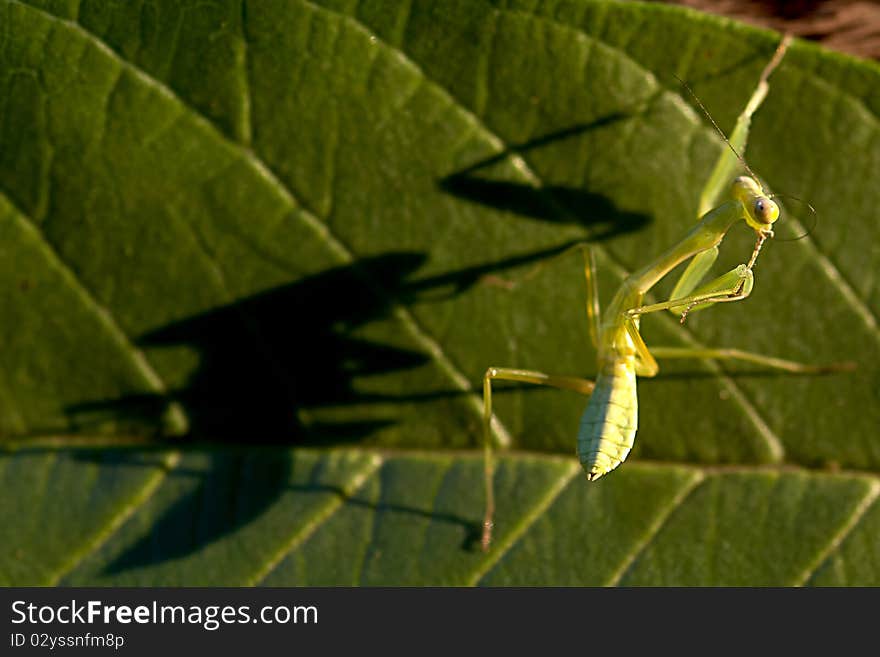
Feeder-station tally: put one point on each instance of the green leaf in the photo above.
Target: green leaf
(249, 280)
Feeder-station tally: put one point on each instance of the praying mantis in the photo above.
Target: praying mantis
(609, 423)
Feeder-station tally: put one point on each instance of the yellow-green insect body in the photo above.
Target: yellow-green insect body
(608, 425)
(610, 421)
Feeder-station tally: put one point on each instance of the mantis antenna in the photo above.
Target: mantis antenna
(762, 82)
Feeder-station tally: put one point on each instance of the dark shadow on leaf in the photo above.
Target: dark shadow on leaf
(269, 362)
(554, 203)
(592, 211)
(231, 489)
(472, 528)
(443, 286)
(267, 366)
(235, 488)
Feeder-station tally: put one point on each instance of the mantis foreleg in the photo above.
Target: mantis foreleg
(725, 168)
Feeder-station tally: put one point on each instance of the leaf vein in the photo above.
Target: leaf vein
(138, 501)
(103, 314)
(654, 528)
(319, 517)
(504, 546)
(837, 539)
(332, 242)
(831, 270)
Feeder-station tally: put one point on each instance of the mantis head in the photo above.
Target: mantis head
(760, 210)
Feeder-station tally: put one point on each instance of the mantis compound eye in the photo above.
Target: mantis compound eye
(766, 210)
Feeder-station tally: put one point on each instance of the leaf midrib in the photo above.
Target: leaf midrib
(555, 486)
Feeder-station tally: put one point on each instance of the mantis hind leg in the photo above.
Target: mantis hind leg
(772, 362)
(576, 384)
(592, 294)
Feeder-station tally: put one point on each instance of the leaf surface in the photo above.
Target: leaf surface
(251, 255)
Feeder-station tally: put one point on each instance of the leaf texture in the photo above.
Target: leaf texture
(251, 255)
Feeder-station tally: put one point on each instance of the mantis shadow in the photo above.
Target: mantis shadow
(268, 366)
(283, 367)
(593, 211)
(269, 363)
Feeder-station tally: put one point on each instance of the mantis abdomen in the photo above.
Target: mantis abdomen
(609, 423)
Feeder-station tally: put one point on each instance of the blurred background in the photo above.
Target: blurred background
(851, 26)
